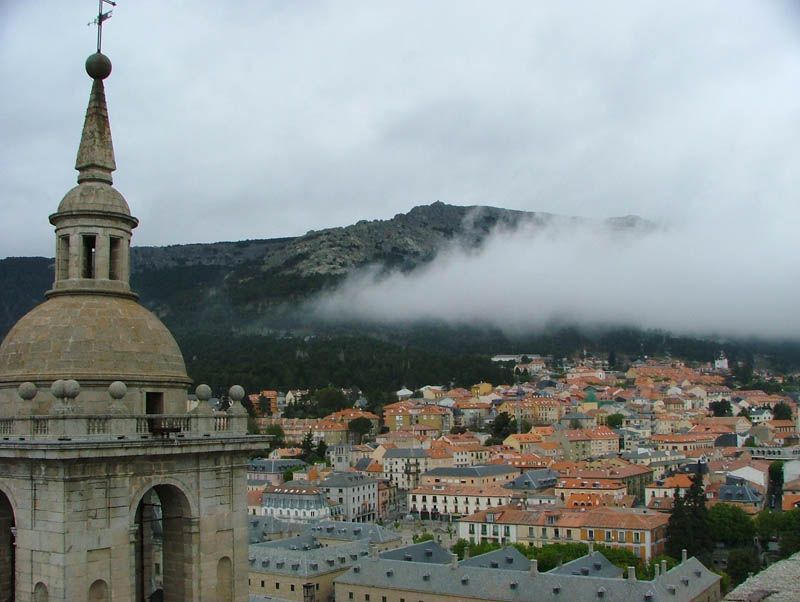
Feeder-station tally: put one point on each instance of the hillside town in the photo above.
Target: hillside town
(586, 475)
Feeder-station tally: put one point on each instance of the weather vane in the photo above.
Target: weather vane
(101, 17)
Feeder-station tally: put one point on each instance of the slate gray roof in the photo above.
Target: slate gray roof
(681, 584)
(349, 531)
(534, 479)
(362, 463)
(264, 528)
(779, 582)
(594, 565)
(510, 559)
(347, 479)
(427, 552)
(276, 466)
(406, 452)
(738, 490)
(481, 470)
(304, 556)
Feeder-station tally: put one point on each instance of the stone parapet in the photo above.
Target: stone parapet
(54, 427)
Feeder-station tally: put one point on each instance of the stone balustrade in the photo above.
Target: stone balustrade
(65, 426)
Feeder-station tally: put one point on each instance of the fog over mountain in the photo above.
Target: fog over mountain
(731, 275)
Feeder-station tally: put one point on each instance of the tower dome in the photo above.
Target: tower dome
(91, 327)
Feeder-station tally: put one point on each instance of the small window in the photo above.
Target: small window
(88, 256)
(277, 585)
(63, 257)
(350, 596)
(115, 258)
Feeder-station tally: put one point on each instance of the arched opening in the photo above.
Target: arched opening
(98, 592)
(163, 550)
(7, 535)
(224, 580)
(40, 593)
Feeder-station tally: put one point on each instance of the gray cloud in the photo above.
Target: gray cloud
(697, 278)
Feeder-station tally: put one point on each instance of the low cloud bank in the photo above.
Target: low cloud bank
(724, 276)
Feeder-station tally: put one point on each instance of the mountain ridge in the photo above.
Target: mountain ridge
(232, 286)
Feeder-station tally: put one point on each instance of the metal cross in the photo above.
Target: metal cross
(101, 17)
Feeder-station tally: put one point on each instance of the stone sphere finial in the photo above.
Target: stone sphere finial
(71, 389)
(203, 392)
(117, 389)
(27, 391)
(98, 66)
(236, 393)
(58, 389)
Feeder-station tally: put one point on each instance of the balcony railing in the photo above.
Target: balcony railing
(60, 427)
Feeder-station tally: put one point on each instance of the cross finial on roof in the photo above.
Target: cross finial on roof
(100, 19)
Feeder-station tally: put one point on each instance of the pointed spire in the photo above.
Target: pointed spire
(95, 160)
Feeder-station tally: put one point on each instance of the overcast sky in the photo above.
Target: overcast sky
(236, 120)
(258, 119)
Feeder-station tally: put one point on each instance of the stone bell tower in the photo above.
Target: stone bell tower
(109, 488)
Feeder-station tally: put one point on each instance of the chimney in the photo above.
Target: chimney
(534, 567)
(663, 567)
(454, 561)
(591, 547)
(632, 573)
(655, 571)
(373, 552)
(466, 553)
(683, 555)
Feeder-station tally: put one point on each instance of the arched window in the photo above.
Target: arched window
(224, 580)
(98, 592)
(40, 593)
(7, 585)
(163, 549)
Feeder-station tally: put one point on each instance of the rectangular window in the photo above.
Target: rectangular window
(608, 535)
(569, 533)
(277, 585)
(63, 258)
(115, 258)
(154, 403)
(636, 537)
(591, 534)
(620, 535)
(350, 595)
(291, 587)
(88, 256)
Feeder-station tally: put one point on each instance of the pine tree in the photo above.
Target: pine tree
(699, 521)
(679, 528)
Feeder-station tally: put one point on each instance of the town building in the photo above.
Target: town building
(299, 502)
(478, 476)
(263, 472)
(355, 493)
(640, 531)
(452, 501)
(428, 572)
(302, 568)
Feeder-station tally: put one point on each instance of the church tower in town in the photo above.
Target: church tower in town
(110, 488)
